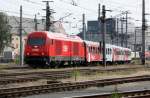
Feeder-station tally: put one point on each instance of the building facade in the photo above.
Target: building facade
(115, 32)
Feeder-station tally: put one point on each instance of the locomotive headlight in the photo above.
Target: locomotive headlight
(28, 53)
(43, 53)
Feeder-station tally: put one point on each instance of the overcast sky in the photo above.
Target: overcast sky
(64, 7)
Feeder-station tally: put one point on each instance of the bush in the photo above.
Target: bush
(116, 95)
(75, 74)
(17, 60)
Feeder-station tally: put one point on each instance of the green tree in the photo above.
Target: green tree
(5, 35)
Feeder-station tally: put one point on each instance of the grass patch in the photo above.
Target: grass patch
(75, 74)
(116, 95)
(3, 66)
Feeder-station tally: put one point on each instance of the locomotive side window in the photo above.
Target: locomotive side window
(75, 48)
(36, 41)
(52, 41)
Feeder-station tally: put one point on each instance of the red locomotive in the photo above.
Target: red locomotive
(53, 48)
(56, 49)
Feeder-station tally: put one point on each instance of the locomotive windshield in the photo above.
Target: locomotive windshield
(36, 41)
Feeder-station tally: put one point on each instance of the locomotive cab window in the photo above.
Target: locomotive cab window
(51, 41)
(36, 41)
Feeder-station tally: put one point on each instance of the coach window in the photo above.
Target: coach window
(107, 50)
(93, 50)
(120, 52)
(129, 52)
(99, 50)
(110, 51)
(89, 49)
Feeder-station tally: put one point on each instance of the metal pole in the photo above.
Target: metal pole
(143, 33)
(122, 38)
(99, 24)
(135, 45)
(103, 32)
(126, 37)
(21, 44)
(99, 11)
(35, 20)
(117, 33)
(47, 16)
(83, 26)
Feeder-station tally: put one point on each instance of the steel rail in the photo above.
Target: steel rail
(57, 87)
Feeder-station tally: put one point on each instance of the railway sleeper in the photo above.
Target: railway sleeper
(140, 96)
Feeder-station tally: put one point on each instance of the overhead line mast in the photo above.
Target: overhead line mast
(143, 33)
(48, 15)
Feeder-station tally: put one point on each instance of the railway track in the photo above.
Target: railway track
(87, 70)
(127, 94)
(53, 75)
(57, 87)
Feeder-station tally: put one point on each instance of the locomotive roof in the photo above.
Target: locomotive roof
(61, 36)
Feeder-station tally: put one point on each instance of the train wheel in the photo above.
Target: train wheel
(52, 64)
(33, 65)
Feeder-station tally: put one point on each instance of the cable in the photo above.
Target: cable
(6, 11)
(30, 1)
(75, 5)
